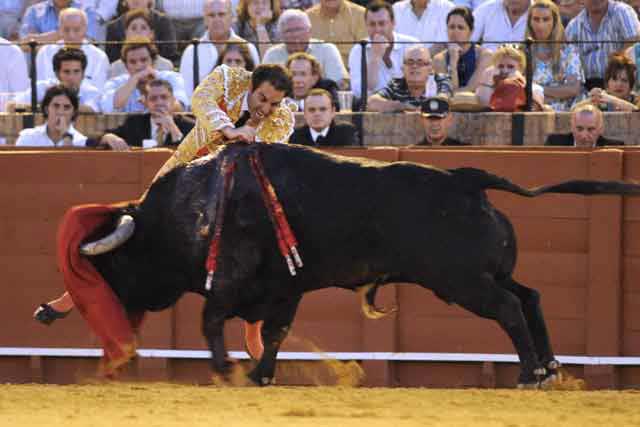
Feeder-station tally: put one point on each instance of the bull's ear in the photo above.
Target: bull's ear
(125, 227)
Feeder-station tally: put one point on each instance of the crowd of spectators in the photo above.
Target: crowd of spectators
(459, 51)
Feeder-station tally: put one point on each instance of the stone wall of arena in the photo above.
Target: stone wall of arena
(384, 129)
(582, 254)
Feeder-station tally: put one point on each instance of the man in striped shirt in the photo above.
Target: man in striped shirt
(602, 20)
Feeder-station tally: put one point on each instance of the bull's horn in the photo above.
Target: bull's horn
(370, 310)
(124, 229)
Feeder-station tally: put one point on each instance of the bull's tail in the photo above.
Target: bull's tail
(472, 179)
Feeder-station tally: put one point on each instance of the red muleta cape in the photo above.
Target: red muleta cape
(93, 298)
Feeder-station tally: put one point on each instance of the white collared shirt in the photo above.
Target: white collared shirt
(492, 23)
(207, 59)
(315, 135)
(88, 94)
(97, 63)
(430, 27)
(38, 137)
(13, 72)
(384, 74)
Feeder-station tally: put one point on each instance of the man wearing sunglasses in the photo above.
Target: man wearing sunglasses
(418, 83)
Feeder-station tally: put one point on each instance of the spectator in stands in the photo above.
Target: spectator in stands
(338, 21)
(587, 127)
(294, 27)
(59, 107)
(462, 60)
(508, 62)
(73, 29)
(320, 129)
(122, 93)
(425, 20)
(569, 9)
(298, 4)
(43, 21)
(620, 77)
(217, 15)
(634, 53)
(105, 11)
(384, 52)
(142, 20)
(69, 64)
(236, 55)
(436, 122)
(556, 66)
(14, 77)
(500, 21)
(186, 17)
(306, 74)
(417, 83)
(159, 123)
(608, 20)
(258, 22)
(11, 12)
(138, 24)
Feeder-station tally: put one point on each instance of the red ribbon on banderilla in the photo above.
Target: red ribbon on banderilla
(287, 242)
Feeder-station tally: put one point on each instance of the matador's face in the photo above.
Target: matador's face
(264, 100)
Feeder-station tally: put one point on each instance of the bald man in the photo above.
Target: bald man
(587, 126)
(73, 30)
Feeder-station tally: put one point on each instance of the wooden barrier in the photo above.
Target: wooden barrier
(580, 253)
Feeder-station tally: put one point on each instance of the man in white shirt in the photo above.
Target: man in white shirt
(384, 50)
(73, 27)
(502, 21)
(294, 27)
(123, 93)
(217, 16)
(425, 20)
(60, 107)
(14, 77)
(186, 16)
(69, 64)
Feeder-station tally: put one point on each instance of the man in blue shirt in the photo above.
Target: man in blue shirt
(40, 21)
(122, 93)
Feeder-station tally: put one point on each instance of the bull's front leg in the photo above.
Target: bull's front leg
(213, 318)
(275, 329)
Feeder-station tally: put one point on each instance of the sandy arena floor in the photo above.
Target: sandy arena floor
(161, 404)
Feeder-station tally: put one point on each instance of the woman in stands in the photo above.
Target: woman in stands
(159, 22)
(138, 24)
(236, 55)
(556, 66)
(462, 60)
(507, 69)
(619, 78)
(257, 22)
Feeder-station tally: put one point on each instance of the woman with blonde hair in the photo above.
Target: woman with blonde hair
(257, 22)
(508, 62)
(556, 65)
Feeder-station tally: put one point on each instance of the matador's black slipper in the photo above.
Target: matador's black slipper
(46, 315)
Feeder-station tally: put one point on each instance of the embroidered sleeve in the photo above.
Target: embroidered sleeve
(206, 101)
(279, 126)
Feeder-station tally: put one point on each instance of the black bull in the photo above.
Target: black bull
(357, 222)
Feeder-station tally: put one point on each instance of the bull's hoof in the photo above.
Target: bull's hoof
(46, 315)
(261, 381)
(532, 379)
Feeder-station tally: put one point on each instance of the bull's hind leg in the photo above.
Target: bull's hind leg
(274, 330)
(213, 318)
(532, 310)
(486, 299)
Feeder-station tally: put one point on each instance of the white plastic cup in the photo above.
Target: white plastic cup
(149, 143)
(345, 99)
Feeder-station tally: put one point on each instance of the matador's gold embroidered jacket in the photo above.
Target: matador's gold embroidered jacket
(217, 103)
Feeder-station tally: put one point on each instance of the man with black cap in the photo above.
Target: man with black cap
(436, 121)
